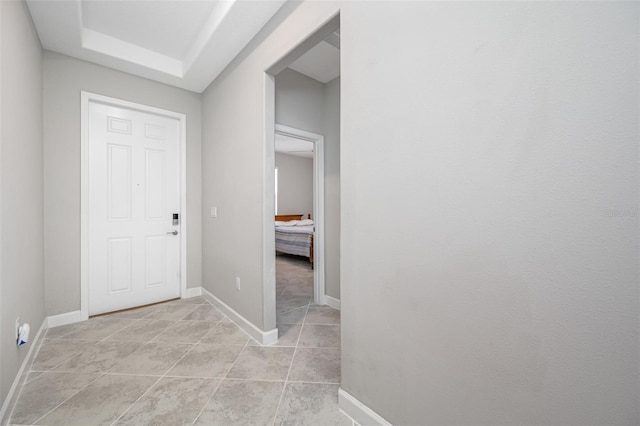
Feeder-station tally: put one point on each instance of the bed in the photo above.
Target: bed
(295, 235)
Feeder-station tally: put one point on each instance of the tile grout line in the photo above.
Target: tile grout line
(105, 339)
(220, 380)
(105, 373)
(118, 330)
(235, 379)
(23, 379)
(133, 320)
(52, 369)
(99, 375)
(219, 384)
(134, 402)
(286, 380)
(83, 349)
(304, 322)
(216, 323)
(197, 306)
(150, 387)
(56, 407)
(172, 323)
(170, 368)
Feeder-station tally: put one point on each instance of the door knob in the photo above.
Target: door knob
(174, 232)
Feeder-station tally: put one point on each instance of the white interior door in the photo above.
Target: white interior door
(134, 191)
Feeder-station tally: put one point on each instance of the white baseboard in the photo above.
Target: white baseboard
(193, 292)
(12, 395)
(359, 412)
(332, 301)
(269, 337)
(264, 337)
(64, 319)
(76, 316)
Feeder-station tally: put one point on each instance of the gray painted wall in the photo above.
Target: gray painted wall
(307, 104)
(21, 260)
(485, 145)
(64, 79)
(233, 158)
(486, 150)
(295, 184)
(299, 101)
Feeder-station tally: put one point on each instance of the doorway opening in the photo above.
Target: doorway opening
(301, 154)
(296, 89)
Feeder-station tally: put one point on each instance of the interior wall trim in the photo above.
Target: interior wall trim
(359, 412)
(64, 319)
(193, 292)
(264, 337)
(12, 396)
(332, 301)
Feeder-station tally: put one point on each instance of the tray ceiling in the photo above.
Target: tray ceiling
(183, 43)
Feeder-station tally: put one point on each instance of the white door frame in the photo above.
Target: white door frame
(86, 99)
(316, 35)
(319, 296)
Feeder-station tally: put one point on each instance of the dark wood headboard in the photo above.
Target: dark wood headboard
(288, 217)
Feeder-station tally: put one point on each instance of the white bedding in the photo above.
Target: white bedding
(296, 223)
(296, 229)
(294, 240)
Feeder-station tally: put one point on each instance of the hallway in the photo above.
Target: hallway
(184, 362)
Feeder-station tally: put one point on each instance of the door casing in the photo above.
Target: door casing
(316, 35)
(319, 297)
(86, 99)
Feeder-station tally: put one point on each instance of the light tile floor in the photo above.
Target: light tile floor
(184, 362)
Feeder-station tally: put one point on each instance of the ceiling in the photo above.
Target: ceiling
(321, 62)
(293, 146)
(184, 43)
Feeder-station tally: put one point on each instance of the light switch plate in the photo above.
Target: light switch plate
(214, 212)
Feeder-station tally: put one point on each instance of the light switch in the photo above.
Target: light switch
(214, 212)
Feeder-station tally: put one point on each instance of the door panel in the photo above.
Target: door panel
(155, 255)
(155, 188)
(133, 192)
(119, 265)
(119, 175)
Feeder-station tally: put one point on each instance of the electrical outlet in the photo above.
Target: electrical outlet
(238, 283)
(17, 328)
